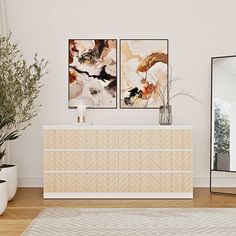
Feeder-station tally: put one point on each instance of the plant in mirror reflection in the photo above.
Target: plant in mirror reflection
(221, 128)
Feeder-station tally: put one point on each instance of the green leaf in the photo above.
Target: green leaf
(20, 84)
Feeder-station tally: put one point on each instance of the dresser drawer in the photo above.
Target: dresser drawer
(118, 139)
(117, 161)
(118, 182)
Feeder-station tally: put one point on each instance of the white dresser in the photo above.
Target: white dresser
(118, 162)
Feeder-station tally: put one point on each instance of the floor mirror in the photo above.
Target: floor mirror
(223, 125)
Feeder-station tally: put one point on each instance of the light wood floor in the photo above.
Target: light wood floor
(28, 202)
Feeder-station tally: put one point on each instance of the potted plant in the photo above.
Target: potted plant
(3, 196)
(20, 85)
(7, 189)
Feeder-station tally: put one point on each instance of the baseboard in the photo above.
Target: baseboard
(197, 181)
(30, 182)
(201, 181)
(217, 181)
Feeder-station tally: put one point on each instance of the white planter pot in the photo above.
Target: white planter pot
(3, 196)
(9, 173)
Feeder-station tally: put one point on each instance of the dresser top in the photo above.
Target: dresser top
(78, 126)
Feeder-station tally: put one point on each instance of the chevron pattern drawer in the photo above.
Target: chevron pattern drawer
(117, 139)
(118, 182)
(117, 161)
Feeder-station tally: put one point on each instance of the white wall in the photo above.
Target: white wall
(224, 77)
(197, 30)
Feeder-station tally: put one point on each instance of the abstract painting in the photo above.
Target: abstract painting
(144, 72)
(92, 73)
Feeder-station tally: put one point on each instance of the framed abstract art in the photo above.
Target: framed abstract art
(143, 72)
(92, 73)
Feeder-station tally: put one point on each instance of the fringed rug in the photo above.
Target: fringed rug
(130, 221)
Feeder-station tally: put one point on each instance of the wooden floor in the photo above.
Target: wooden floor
(28, 202)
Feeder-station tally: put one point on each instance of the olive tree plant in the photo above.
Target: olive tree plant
(5, 135)
(20, 84)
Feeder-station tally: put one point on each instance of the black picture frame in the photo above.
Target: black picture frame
(211, 129)
(120, 86)
(68, 84)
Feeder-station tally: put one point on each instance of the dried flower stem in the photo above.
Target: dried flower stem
(167, 89)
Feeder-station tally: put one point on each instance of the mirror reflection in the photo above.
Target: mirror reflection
(224, 113)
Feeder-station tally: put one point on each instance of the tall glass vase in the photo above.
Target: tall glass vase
(165, 115)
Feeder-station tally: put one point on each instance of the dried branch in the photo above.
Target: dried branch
(161, 93)
(166, 90)
(186, 94)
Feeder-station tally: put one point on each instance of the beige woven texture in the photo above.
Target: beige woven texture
(120, 154)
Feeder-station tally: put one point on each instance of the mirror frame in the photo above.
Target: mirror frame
(211, 129)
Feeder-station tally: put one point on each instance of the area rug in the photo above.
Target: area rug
(130, 221)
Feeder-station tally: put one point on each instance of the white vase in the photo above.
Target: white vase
(9, 173)
(3, 196)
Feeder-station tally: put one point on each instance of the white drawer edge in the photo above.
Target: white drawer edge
(115, 150)
(117, 127)
(188, 195)
(113, 171)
